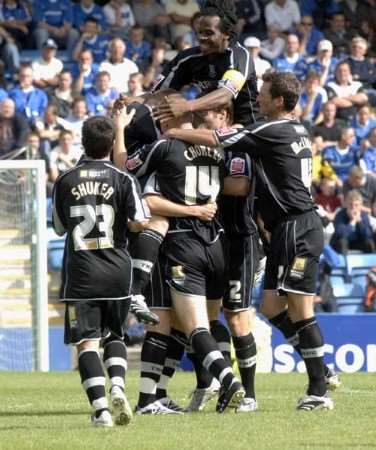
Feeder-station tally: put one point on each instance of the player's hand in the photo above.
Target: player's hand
(205, 212)
(122, 118)
(172, 107)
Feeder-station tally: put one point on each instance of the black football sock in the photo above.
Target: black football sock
(175, 350)
(312, 350)
(221, 334)
(93, 379)
(245, 350)
(115, 362)
(283, 322)
(153, 355)
(208, 353)
(203, 377)
(144, 253)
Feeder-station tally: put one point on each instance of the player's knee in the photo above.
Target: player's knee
(87, 345)
(159, 223)
(239, 322)
(214, 309)
(164, 325)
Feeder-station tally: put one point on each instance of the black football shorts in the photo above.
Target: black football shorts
(293, 256)
(241, 257)
(94, 319)
(193, 267)
(157, 293)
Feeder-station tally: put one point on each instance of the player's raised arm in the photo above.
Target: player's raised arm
(121, 120)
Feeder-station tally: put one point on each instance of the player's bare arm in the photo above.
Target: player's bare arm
(121, 120)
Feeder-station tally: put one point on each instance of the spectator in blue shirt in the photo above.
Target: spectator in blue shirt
(138, 50)
(102, 96)
(291, 59)
(54, 19)
(352, 227)
(368, 161)
(91, 40)
(312, 99)
(84, 72)
(343, 156)
(324, 64)
(363, 123)
(30, 101)
(85, 9)
(309, 36)
(15, 18)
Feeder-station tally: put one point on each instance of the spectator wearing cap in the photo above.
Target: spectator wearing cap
(348, 95)
(325, 63)
(13, 128)
(101, 96)
(343, 156)
(180, 13)
(84, 72)
(47, 67)
(138, 49)
(338, 35)
(309, 36)
(85, 9)
(92, 40)
(273, 46)
(328, 131)
(352, 227)
(291, 60)
(118, 66)
(283, 14)
(15, 18)
(253, 45)
(368, 160)
(363, 123)
(30, 100)
(362, 68)
(54, 19)
(120, 18)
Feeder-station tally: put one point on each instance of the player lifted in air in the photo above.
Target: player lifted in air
(95, 204)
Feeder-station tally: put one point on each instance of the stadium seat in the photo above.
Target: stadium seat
(360, 264)
(350, 306)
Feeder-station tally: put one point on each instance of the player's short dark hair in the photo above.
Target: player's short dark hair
(225, 10)
(285, 85)
(98, 135)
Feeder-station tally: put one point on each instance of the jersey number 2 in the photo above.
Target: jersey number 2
(91, 217)
(202, 180)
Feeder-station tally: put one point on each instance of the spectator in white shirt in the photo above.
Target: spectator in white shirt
(261, 65)
(119, 16)
(119, 67)
(47, 68)
(64, 156)
(283, 14)
(180, 12)
(272, 47)
(75, 121)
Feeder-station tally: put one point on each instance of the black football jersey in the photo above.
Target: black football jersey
(281, 151)
(186, 174)
(92, 203)
(236, 211)
(142, 130)
(234, 70)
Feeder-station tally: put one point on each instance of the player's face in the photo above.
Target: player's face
(265, 99)
(210, 37)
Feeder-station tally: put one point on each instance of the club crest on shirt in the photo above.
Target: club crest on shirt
(237, 166)
(134, 162)
(226, 131)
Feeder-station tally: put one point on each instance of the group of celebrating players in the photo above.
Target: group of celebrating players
(169, 230)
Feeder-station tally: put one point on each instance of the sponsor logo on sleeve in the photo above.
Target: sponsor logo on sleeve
(237, 166)
(221, 132)
(134, 162)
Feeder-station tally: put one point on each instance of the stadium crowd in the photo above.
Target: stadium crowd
(64, 61)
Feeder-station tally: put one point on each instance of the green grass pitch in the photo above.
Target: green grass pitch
(50, 411)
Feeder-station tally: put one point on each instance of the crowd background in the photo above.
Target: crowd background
(63, 61)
